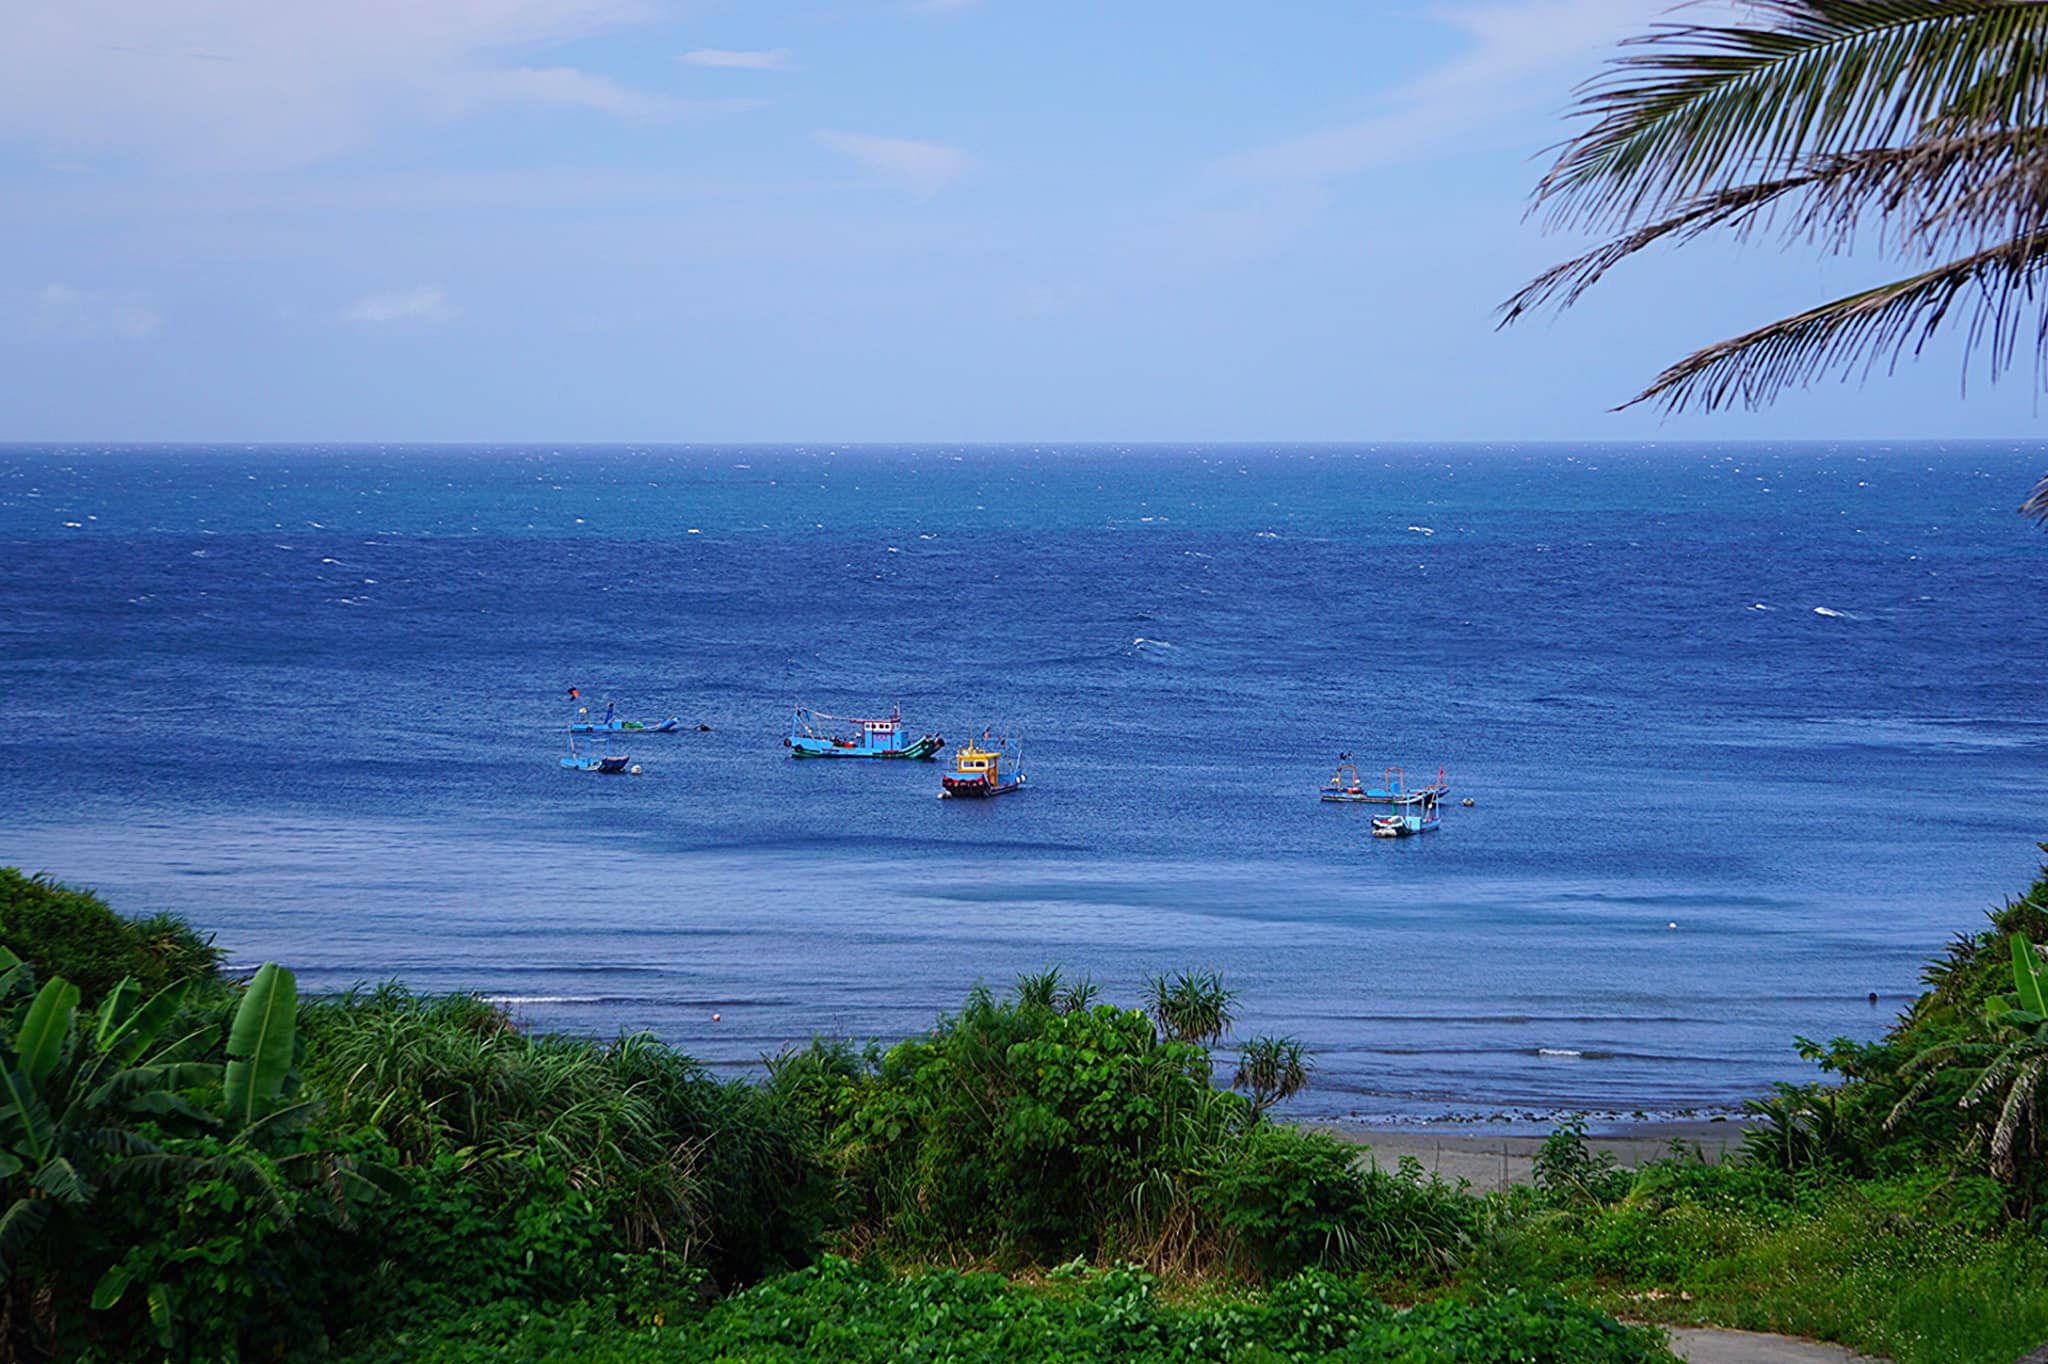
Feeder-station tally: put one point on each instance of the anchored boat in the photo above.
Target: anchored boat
(583, 724)
(978, 768)
(1415, 813)
(814, 734)
(1392, 790)
(614, 723)
(586, 758)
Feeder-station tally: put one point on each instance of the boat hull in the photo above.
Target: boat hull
(668, 726)
(923, 750)
(1402, 826)
(976, 788)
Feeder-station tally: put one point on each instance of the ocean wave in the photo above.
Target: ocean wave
(1833, 614)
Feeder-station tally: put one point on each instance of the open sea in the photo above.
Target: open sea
(1750, 731)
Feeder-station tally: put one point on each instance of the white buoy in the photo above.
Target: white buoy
(716, 1017)
(634, 769)
(1672, 924)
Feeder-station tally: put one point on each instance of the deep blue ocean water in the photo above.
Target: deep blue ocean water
(1789, 699)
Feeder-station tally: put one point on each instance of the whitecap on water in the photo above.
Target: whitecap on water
(1832, 614)
(1423, 530)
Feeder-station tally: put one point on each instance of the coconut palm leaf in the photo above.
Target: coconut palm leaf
(1691, 108)
(1860, 330)
(1919, 124)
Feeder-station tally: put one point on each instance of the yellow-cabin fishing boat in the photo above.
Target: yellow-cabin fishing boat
(978, 768)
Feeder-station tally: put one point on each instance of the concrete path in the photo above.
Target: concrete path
(1703, 1345)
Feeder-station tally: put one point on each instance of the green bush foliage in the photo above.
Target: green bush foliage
(841, 1311)
(1920, 1269)
(61, 931)
(1022, 1132)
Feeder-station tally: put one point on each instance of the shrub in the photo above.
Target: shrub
(72, 933)
(1292, 1200)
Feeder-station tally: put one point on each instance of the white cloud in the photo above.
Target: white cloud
(266, 84)
(924, 167)
(773, 59)
(1522, 59)
(425, 304)
(58, 312)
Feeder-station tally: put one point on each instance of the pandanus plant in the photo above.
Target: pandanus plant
(1918, 127)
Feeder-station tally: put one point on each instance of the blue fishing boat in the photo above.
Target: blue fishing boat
(814, 734)
(1393, 789)
(1415, 813)
(614, 723)
(583, 724)
(587, 758)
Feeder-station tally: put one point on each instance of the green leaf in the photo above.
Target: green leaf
(2026, 974)
(260, 1043)
(40, 1043)
(18, 1226)
(114, 1011)
(111, 1286)
(139, 1029)
(162, 1316)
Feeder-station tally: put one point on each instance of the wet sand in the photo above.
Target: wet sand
(1494, 1161)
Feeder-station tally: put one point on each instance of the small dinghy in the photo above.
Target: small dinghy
(586, 758)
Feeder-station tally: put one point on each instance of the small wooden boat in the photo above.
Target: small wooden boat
(587, 759)
(1393, 788)
(814, 734)
(1415, 814)
(978, 769)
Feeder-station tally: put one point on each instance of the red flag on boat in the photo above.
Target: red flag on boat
(574, 694)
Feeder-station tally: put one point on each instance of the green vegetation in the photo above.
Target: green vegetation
(212, 1170)
(841, 1311)
(1901, 1211)
(73, 934)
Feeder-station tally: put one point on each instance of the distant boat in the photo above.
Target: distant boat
(586, 758)
(814, 734)
(614, 723)
(585, 725)
(978, 769)
(1393, 788)
(1416, 813)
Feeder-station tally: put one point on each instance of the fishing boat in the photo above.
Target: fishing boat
(586, 758)
(978, 769)
(613, 722)
(583, 724)
(814, 734)
(1346, 786)
(1416, 813)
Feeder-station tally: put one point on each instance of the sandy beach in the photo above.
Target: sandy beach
(1494, 1161)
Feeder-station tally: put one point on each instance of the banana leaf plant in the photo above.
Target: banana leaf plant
(260, 1108)
(75, 1090)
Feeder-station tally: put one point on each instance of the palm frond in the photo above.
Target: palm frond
(1864, 327)
(1693, 108)
(2036, 504)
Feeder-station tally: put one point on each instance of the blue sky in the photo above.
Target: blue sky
(924, 220)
